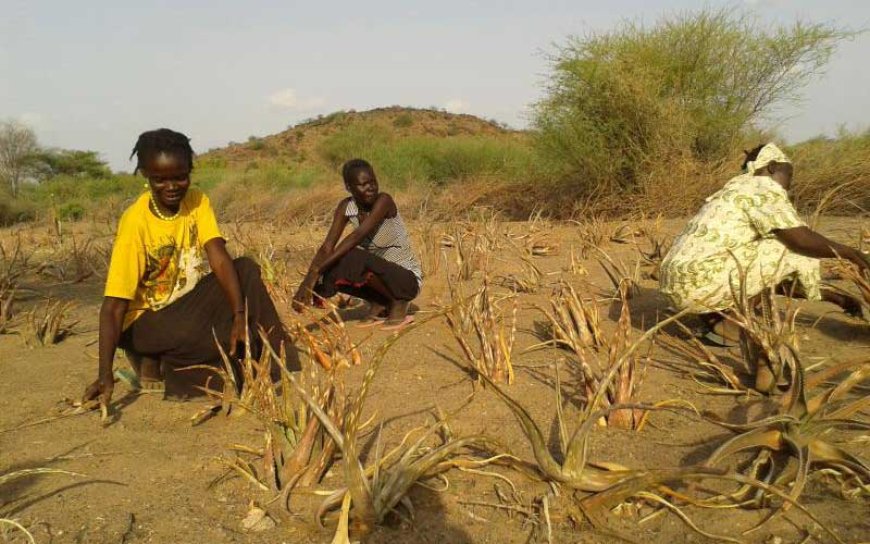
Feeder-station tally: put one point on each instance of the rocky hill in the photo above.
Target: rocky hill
(302, 143)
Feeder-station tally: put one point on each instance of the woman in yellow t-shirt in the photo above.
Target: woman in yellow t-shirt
(163, 303)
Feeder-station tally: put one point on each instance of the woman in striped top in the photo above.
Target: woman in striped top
(374, 262)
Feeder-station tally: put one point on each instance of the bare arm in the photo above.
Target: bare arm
(222, 265)
(339, 222)
(112, 314)
(330, 253)
(384, 207)
(807, 242)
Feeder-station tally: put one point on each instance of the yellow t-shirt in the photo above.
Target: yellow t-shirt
(155, 261)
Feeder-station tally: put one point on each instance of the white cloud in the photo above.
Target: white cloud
(456, 105)
(289, 100)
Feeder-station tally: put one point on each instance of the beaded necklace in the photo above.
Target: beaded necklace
(156, 209)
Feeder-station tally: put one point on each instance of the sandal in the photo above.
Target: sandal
(398, 326)
(712, 338)
(717, 335)
(370, 322)
(140, 385)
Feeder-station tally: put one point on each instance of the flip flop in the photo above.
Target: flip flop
(716, 339)
(370, 322)
(398, 326)
(152, 387)
(136, 384)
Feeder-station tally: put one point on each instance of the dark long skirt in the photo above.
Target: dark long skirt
(351, 274)
(183, 333)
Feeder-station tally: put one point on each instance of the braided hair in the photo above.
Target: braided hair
(353, 167)
(162, 140)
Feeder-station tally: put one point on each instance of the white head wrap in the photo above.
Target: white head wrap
(768, 154)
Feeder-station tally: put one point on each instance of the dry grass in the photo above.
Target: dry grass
(595, 361)
(574, 322)
(528, 280)
(14, 263)
(484, 330)
(72, 260)
(7, 297)
(574, 325)
(428, 238)
(51, 323)
(716, 376)
(768, 340)
(620, 274)
(297, 451)
(381, 488)
(535, 238)
(593, 233)
(798, 432)
(856, 278)
(473, 242)
(331, 346)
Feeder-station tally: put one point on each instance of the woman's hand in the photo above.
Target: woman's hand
(101, 389)
(237, 332)
(303, 296)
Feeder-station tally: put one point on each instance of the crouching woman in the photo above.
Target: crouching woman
(748, 236)
(374, 262)
(164, 304)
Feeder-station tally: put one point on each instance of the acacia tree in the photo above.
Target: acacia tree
(688, 86)
(18, 150)
(70, 162)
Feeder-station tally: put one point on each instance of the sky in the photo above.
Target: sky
(94, 74)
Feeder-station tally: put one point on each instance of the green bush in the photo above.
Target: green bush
(15, 210)
(684, 88)
(402, 160)
(62, 189)
(256, 144)
(71, 211)
(403, 120)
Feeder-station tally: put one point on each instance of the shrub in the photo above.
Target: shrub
(685, 88)
(403, 120)
(256, 144)
(403, 160)
(71, 211)
(822, 164)
(15, 210)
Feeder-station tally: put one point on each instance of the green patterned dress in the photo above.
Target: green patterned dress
(736, 225)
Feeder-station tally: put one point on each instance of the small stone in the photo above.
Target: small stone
(257, 520)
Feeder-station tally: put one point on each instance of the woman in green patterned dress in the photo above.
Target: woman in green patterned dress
(751, 225)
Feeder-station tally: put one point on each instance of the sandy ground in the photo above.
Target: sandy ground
(151, 477)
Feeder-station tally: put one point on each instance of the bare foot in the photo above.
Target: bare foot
(398, 325)
(377, 314)
(398, 311)
(398, 316)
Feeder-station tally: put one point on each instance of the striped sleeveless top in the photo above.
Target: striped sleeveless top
(390, 241)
